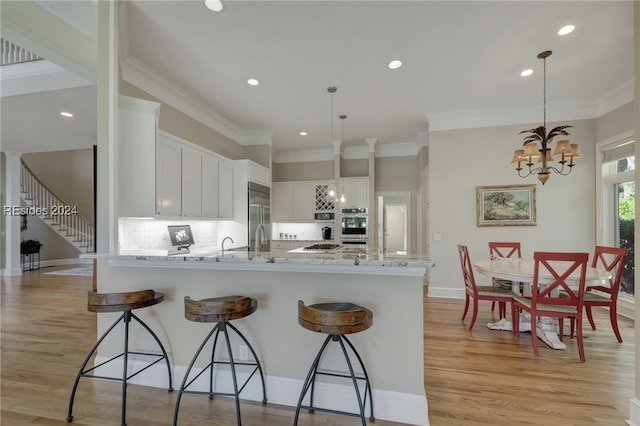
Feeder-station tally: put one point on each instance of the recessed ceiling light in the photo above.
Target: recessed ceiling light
(566, 29)
(253, 82)
(526, 73)
(66, 114)
(303, 133)
(395, 64)
(215, 5)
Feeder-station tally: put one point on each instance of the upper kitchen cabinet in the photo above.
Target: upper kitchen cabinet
(293, 201)
(135, 175)
(356, 192)
(191, 181)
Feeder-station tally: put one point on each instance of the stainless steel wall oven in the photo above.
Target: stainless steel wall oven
(355, 229)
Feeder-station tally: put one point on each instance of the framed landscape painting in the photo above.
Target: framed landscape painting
(512, 205)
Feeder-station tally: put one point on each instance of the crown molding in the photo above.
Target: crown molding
(403, 149)
(138, 74)
(505, 116)
(38, 76)
(616, 98)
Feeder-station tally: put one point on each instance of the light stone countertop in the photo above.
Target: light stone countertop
(211, 257)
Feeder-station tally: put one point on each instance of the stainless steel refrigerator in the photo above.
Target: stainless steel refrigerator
(259, 214)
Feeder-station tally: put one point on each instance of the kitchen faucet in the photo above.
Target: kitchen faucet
(225, 239)
(262, 236)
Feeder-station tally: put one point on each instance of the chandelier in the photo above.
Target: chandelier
(332, 190)
(537, 144)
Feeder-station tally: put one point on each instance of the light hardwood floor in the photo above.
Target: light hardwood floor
(482, 377)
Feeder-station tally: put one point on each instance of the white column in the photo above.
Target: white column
(373, 213)
(12, 222)
(107, 83)
(337, 223)
(634, 404)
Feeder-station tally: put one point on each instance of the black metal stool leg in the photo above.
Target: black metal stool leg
(366, 377)
(233, 371)
(125, 365)
(164, 352)
(213, 356)
(82, 371)
(184, 384)
(310, 377)
(355, 381)
(255, 357)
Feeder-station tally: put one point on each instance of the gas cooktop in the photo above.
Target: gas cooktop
(322, 247)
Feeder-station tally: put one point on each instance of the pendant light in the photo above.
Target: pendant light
(537, 143)
(332, 191)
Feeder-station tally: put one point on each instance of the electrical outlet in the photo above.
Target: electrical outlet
(244, 353)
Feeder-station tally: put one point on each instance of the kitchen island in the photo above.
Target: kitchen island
(392, 287)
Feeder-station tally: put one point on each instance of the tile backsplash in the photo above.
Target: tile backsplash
(153, 233)
(300, 231)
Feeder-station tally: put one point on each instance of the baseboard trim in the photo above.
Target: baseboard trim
(634, 412)
(57, 262)
(10, 272)
(445, 292)
(411, 409)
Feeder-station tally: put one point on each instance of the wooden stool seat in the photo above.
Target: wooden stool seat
(334, 318)
(118, 302)
(218, 309)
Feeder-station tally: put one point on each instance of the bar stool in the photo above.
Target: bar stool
(336, 320)
(220, 310)
(125, 303)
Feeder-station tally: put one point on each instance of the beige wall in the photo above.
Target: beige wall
(69, 174)
(397, 174)
(3, 201)
(179, 124)
(615, 122)
(261, 154)
(312, 170)
(54, 246)
(565, 205)
(354, 168)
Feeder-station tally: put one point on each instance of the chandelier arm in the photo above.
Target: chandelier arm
(561, 171)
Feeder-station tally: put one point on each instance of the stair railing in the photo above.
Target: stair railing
(49, 206)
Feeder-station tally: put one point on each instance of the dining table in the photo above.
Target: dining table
(520, 271)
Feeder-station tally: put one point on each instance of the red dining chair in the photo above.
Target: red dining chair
(612, 259)
(477, 293)
(546, 300)
(503, 250)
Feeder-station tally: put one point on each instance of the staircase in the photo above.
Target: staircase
(57, 214)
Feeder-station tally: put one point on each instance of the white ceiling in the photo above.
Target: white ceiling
(462, 62)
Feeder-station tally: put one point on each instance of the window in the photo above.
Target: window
(617, 202)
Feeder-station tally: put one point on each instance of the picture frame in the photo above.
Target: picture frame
(507, 205)
(181, 236)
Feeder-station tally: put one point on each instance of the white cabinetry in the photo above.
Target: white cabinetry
(356, 192)
(217, 192)
(136, 144)
(169, 178)
(293, 201)
(192, 182)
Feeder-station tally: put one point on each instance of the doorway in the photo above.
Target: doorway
(394, 222)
